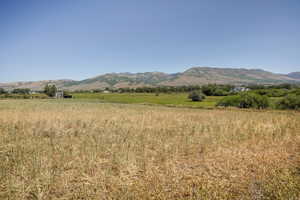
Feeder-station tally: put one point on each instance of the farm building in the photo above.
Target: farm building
(59, 94)
(240, 89)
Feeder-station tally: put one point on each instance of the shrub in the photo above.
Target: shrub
(220, 92)
(67, 95)
(277, 93)
(15, 96)
(252, 100)
(2, 91)
(229, 101)
(208, 89)
(39, 96)
(196, 96)
(216, 90)
(295, 91)
(291, 101)
(272, 92)
(21, 91)
(245, 100)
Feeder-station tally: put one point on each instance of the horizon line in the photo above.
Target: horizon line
(124, 72)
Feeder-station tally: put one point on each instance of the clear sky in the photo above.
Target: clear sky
(77, 39)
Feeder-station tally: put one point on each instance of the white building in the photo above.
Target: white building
(240, 89)
(59, 94)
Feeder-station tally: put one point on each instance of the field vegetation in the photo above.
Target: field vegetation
(283, 96)
(69, 149)
(168, 99)
(23, 96)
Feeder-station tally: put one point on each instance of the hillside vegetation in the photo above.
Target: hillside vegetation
(59, 149)
(192, 76)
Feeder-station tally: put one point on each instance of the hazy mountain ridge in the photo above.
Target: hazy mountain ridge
(294, 75)
(192, 76)
(35, 85)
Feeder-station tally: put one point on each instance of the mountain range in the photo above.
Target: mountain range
(192, 76)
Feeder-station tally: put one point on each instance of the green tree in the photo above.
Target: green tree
(21, 91)
(252, 100)
(216, 90)
(2, 91)
(230, 101)
(50, 90)
(220, 92)
(291, 101)
(245, 100)
(209, 89)
(196, 96)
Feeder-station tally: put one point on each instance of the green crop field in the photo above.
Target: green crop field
(173, 99)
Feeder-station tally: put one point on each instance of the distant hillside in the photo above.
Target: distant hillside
(35, 85)
(192, 76)
(294, 75)
(204, 75)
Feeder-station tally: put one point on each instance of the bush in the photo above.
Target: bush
(251, 100)
(229, 101)
(39, 96)
(216, 90)
(208, 90)
(67, 95)
(196, 96)
(15, 96)
(220, 92)
(291, 101)
(295, 91)
(272, 92)
(2, 91)
(21, 91)
(245, 100)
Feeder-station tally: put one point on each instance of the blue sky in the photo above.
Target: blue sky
(77, 39)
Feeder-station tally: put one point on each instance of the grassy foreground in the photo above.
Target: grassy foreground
(53, 149)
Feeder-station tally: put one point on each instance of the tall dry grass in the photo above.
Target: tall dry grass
(77, 150)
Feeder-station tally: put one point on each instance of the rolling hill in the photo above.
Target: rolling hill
(192, 76)
(294, 75)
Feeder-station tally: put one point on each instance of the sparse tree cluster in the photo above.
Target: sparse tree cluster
(50, 90)
(208, 90)
(21, 91)
(245, 100)
(258, 97)
(217, 90)
(3, 91)
(287, 86)
(291, 101)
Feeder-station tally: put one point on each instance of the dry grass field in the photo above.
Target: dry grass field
(78, 150)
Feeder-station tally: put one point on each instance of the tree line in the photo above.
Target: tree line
(50, 90)
(257, 97)
(209, 90)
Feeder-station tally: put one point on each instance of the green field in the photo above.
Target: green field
(173, 99)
